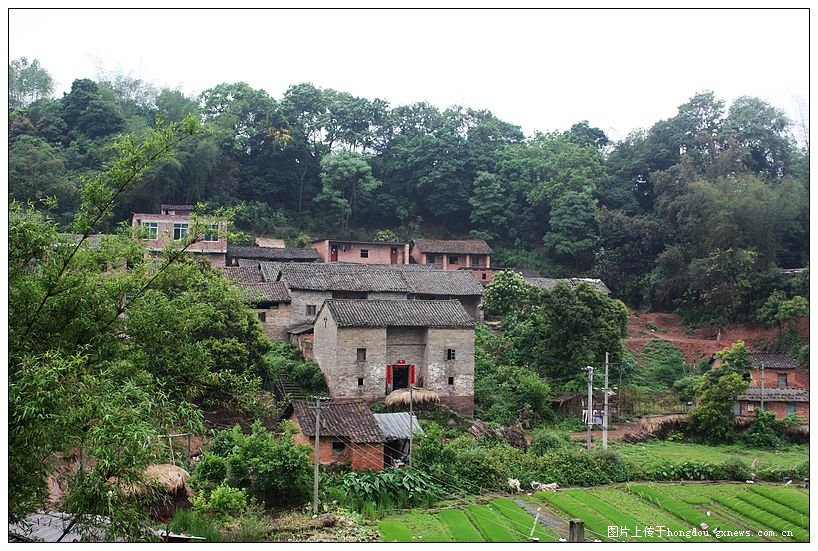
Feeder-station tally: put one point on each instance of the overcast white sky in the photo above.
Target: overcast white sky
(540, 69)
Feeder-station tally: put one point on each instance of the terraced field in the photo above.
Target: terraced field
(636, 512)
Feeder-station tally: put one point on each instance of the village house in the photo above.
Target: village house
(452, 254)
(271, 254)
(270, 300)
(362, 252)
(369, 348)
(174, 224)
(349, 433)
(785, 387)
(310, 284)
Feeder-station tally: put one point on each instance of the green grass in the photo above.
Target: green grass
(521, 519)
(781, 511)
(595, 522)
(651, 454)
(460, 526)
(425, 526)
(494, 526)
(394, 530)
(188, 522)
(763, 517)
(791, 497)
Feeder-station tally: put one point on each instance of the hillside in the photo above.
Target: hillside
(701, 342)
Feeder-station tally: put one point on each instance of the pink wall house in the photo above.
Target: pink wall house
(158, 230)
(362, 252)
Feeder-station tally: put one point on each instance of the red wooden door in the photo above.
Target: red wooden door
(393, 255)
(333, 255)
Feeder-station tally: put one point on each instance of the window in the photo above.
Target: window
(790, 408)
(211, 233)
(338, 448)
(310, 309)
(364, 253)
(451, 380)
(360, 381)
(454, 259)
(475, 260)
(262, 317)
(782, 380)
(179, 231)
(430, 259)
(150, 230)
(485, 275)
(751, 407)
(360, 354)
(450, 353)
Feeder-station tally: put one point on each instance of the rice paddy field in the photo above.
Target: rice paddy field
(649, 512)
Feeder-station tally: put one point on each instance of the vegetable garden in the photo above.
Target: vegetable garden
(635, 512)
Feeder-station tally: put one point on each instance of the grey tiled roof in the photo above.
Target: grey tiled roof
(272, 253)
(249, 263)
(243, 274)
(387, 278)
(774, 360)
(775, 394)
(49, 527)
(550, 283)
(351, 420)
(175, 207)
(274, 291)
(398, 313)
(452, 246)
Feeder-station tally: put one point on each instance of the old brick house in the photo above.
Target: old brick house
(174, 224)
(786, 387)
(368, 348)
(349, 433)
(362, 252)
(270, 300)
(451, 254)
(310, 284)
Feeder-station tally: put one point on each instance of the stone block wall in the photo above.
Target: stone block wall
(277, 321)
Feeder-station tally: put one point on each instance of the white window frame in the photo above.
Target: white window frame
(212, 230)
(180, 230)
(150, 231)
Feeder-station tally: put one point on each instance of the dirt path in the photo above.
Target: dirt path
(596, 435)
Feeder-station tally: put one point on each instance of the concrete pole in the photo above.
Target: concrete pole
(317, 454)
(605, 410)
(576, 531)
(411, 428)
(762, 387)
(590, 405)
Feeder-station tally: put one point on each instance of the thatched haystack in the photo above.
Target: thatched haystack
(421, 397)
(661, 425)
(168, 479)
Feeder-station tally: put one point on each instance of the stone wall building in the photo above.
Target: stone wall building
(270, 300)
(349, 433)
(362, 252)
(368, 348)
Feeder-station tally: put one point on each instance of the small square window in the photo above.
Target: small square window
(364, 253)
(485, 276)
(790, 408)
(211, 233)
(179, 231)
(262, 316)
(310, 309)
(338, 447)
(360, 354)
(360, 381)
(454, 260)
(450, 353)
(750, 407)
(150, 230)
(782, 380)
(451, 380)
(430, 259)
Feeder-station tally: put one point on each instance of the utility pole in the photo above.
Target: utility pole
(317, 452)
(762, 386)
(605, 410)
(411, 428)
(590, 404)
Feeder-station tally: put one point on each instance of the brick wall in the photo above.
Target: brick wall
(778, 408)
(797, 378)
(277, 321)
(367, 456)
(360, 456)
(377, 253)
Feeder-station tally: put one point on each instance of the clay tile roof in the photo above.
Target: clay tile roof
(243, 274)
(350, 420)
(272, 253)
(440, 282)
(775, 394)
(175, 207)
(774, 360)
(398, 313)
(274, 291)
(452, 246)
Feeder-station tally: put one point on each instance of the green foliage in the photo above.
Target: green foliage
(777, 509)
(285, 361)
(766, 432)
(224, 502)
(460, 525)
(713, 415)
(762, 517)
(789, 497)
(374, 493)
(507, 292)
(544, 441)
(665, 363)
(189, 522)
(210, 471)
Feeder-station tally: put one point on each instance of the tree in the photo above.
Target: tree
(28, 82)
(573, 228)
(88, 113)
(347, 181)
(507, 292)
(491, 206)
(713, 414)
(761, 129)
(37, 171)
(779, 310)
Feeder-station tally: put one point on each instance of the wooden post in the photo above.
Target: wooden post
(576, 530)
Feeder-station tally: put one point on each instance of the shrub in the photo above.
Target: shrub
(765, 432)
(286, 361)
(734, 469)
(190, 522)
(209, 472)
(544, 441)
(224, 501)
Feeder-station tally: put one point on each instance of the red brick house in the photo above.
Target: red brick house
(349, 433)
(452, 254)
(173, 224)
(362, 252)
(786, 387)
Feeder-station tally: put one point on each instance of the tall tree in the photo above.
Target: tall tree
(347, 181)
(28, 82)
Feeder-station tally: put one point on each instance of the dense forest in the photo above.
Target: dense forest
(698, 213)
